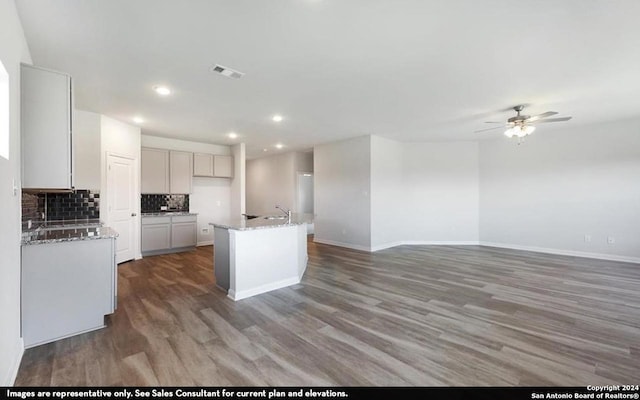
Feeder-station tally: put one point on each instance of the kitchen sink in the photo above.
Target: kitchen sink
(276, 217)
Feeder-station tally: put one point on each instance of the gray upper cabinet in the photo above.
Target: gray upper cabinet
(47, 156)
(154, 171)
(202, 164)
(223, 166)
(211, 165)
(180, 172)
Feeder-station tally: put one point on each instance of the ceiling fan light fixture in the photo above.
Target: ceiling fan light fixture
(519, 131)
(509, 133)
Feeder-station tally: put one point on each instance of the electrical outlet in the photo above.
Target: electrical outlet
(587, 238)
(611, 240)
(205, 231)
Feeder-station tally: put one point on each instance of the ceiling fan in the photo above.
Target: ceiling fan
(523, 125)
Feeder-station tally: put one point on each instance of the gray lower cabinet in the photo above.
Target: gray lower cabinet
(67, 288)
(168, 234)
(156, 234)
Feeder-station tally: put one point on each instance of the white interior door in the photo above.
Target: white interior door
(121, 204)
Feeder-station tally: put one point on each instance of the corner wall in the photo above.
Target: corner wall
(13, 51)
(342, 182)
(423, 193)
(561, 185)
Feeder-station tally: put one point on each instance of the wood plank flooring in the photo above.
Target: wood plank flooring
(411, 315)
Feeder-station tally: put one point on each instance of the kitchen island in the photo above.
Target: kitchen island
(253, 256)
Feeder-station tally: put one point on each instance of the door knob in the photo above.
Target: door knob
(133, 214)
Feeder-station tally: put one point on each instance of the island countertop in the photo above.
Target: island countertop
(262, 222)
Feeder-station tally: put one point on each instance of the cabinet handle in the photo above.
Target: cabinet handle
(133, 214)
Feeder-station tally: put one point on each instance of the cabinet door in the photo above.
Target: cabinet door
(180, 172)
(154, 171)
(156, 237)
(202, 164)
(183, 234)
(223, 166)
(46, 129)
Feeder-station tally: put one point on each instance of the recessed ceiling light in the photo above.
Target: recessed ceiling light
(265, 149)
(279, 146)
(277, 118)
(162, 90)
(138, 120)
(232, 135)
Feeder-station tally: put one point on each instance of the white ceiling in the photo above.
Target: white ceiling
(410, 70)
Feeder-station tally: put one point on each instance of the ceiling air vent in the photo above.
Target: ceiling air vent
(228, 72)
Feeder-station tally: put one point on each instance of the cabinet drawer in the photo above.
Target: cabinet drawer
(156, 220)
(184, 218)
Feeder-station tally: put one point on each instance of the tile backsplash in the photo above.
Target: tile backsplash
(174, 202)
(80, 205)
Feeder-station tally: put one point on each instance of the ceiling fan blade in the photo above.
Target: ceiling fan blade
(489, 129)
(543, 115)
(493, 122)
(552, 120)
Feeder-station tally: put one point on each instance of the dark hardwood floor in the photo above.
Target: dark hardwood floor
(411, 315)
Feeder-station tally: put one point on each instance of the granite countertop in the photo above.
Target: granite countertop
(67, 234)
(167, 213)
(261, 222)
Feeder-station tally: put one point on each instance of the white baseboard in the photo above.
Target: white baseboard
(11, 374)
(584, 254)
(598, 256)
(425, 243)
(243, 294)
(342, 244)
(205, 243)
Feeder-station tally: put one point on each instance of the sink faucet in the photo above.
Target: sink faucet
(287, 212)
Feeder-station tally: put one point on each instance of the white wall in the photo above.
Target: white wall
(211, 197)
(559, 186)
(440, 192)
(423, 193)
(387, 195)
(13, 51)
(342, 183)
(273, 180)
(238, 183)
(120, 139)
(86, 150)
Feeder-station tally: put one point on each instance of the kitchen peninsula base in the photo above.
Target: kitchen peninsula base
(254, 259)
